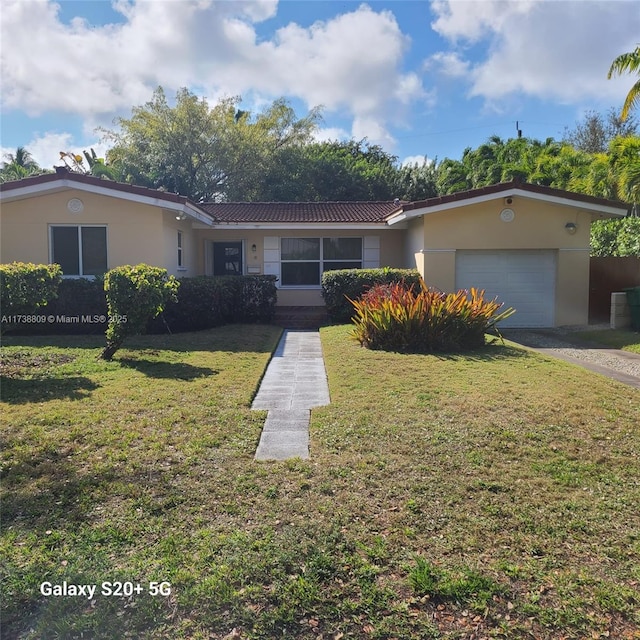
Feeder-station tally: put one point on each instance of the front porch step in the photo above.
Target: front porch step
(301, 317)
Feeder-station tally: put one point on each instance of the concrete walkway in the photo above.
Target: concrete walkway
(294, 383)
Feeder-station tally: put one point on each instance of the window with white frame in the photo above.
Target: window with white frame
(180, 251)
(303, 260)
(79, 250)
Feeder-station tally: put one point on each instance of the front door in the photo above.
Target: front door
(227, 259)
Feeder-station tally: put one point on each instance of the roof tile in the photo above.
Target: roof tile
(296, 212)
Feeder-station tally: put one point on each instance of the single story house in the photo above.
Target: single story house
(526, 244)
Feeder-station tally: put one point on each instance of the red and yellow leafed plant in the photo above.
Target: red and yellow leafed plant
(394, 317)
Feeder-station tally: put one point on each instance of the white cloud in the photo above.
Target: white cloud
(549, 49)
(330, 134)
(471, 20)
(450, 64)
(409, 161)
(352, 62)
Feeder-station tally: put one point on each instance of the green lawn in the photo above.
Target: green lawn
(615, 338)
(492, 495)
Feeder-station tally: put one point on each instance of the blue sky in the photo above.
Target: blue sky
(419, 77)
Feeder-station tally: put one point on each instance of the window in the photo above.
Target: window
(303, 260)
(80, 251)
(180, 253)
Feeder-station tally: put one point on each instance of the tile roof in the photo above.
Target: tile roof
(508, 187)
(62, 173)
(297, 212)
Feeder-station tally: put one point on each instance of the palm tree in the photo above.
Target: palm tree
(18, 165)
(628, 63)
(624, 156)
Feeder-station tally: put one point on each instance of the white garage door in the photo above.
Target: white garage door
(524, 280)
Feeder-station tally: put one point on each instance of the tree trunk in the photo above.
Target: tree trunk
(109, 350)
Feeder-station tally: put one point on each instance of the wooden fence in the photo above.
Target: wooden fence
(607, 275)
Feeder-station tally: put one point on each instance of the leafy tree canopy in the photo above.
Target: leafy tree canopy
(205, 152)
(595, 131)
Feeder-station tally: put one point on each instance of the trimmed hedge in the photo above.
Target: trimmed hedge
(205, 302)
(26, 287)
(343, 284)
(77, 310)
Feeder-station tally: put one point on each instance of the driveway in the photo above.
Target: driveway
(623, 366)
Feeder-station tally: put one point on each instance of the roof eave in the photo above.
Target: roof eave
(175, 203)
(596, 208)
(299, 225)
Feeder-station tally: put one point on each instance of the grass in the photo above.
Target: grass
(488, 495)
(627, 340)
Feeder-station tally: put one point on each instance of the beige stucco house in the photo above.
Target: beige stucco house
(526, 244)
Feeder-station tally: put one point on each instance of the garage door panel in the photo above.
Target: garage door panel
(524, 280)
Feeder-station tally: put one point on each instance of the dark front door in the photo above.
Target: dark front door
(227, 258)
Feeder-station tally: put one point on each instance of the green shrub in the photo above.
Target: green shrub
(135, 295)
(80, 307)
(24, 287)
(259, 297)
(395, 318)
(205, 302)
(342, 285)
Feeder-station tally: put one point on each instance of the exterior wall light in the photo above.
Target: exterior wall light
(570, 228)
(254, 248)
(181, 216)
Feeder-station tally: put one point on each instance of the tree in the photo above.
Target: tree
(624, 158)
(321, 171)
(349, 170)
(18, 165)
(628, 63)
(417, 181)
(206, 153)
(595, 131)
(497, 161)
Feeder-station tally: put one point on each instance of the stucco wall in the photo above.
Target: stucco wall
(135, 232)
(536, 225)
(170, 228)
(391, 253)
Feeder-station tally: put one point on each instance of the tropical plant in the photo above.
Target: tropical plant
(18, 165)
(395, 318)
(96, 167)
(628, 63)
(624, 157)
(339, 286)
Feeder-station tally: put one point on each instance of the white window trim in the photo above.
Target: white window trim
(320, 260)
(78, 226)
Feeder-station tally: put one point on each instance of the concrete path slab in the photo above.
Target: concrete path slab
(295, 381)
